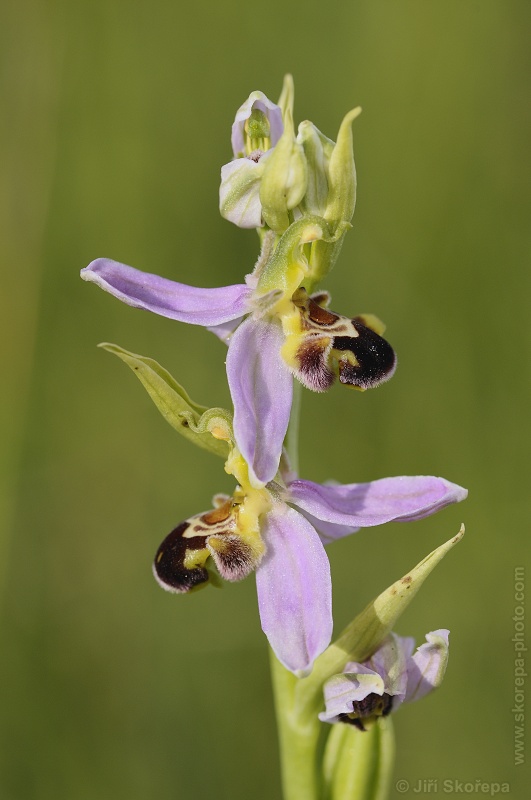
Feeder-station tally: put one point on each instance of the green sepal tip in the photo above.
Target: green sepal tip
(287, 95)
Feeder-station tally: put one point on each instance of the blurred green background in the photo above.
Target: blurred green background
(115, 121)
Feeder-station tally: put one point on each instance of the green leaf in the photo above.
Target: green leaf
(193, 421)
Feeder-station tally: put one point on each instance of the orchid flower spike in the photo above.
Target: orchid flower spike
(274, 329)
(393, 675)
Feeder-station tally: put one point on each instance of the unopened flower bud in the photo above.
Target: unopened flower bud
(331, 187)
(317, 149)
(284, 179)
(342, 174)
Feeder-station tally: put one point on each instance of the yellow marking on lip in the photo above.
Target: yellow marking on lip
(345, 356)
(289, 351)
(195, 558)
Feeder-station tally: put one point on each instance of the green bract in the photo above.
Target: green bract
(195, 422)
(365, 633)
(288, 266)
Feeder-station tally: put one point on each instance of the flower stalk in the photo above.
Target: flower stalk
(358, 765)
(298, 737)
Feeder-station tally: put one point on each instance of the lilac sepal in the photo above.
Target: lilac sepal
(294, 590)
(261, 389)
(329, 531)
(168, 298)
(361, 505)
(425, 670)
(262, 103)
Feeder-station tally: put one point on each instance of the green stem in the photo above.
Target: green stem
(292, 436)
(358, 765)
(298, 733)
(298, 738)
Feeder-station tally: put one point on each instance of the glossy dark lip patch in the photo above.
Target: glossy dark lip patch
(168, 565)
(332, 345)
(368, 709)
(376, 359)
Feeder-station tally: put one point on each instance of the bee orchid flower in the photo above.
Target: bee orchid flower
(274, 330)
(391, 676)
(279, 531)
